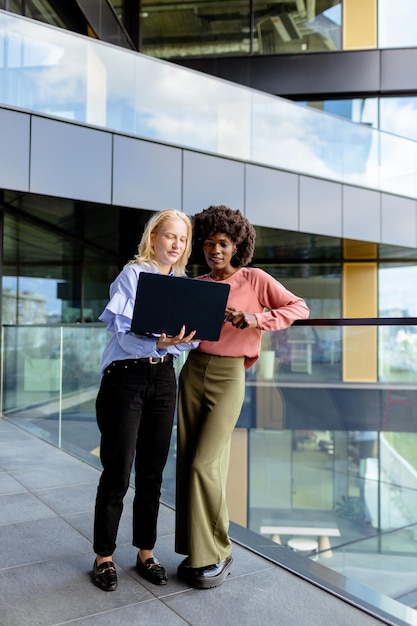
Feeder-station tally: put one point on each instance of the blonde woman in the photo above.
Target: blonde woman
(136, 402)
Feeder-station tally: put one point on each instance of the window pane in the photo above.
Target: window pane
(399, 116)
(397, 27)
(190, 29)
(359, 110)
(297, 26)
(228, 28)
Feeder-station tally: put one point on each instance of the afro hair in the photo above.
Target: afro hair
(222, 219)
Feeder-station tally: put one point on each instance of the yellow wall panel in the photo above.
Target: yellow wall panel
(360, 24)
(360, 294)
(360, 299)
(360, 364)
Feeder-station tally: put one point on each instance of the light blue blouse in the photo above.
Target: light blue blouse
(118, 313)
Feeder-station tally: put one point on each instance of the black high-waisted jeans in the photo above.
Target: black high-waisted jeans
(135, 410)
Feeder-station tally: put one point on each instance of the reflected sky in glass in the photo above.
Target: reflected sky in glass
(48, 70)
(399, 116)
(397, 24)
(395, 296)
(44, 288)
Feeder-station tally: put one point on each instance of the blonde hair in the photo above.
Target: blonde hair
(145, 253)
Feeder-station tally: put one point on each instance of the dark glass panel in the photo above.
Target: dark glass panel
(195, 28)
(282, 27)
(239, 27)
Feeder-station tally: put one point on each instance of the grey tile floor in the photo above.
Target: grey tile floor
(46, 515)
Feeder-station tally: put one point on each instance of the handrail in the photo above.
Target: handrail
(358, 321)
(316, 321)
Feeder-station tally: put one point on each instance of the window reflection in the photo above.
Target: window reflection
(397, 116)
(397, 344)
(396, 299)
(358, 110)
(397, 27)
(298, 28)
(28, 300)
(51, 273)
(212, 28)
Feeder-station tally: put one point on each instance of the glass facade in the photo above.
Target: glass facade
(59, 257)
(394, 115)
(53, 72)
(171, 30)
(397, 27)
(239, 27)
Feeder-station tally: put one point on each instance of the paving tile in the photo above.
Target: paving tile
(145, 613)
(269, 597)
(5, 426)
(9, 485)
(57, 475)
(47, 557)
(82, 523)
(29, 453)
(21, 507)
(54, 592)
(39, 540)
(69, 499)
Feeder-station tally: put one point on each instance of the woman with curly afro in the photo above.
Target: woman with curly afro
(212, 387)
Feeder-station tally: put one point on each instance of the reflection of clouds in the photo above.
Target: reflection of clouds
(53, 65)
(394, 289)
(396, 24)
(312, 142)
(103, 85)
(191, 109)
(398, 165)
(25, 46)
(399, 116)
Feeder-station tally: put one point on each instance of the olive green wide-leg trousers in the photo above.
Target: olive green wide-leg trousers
(211, 394)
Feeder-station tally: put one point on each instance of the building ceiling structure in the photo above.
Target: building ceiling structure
(200, 27)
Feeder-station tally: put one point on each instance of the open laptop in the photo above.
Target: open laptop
(165, 303)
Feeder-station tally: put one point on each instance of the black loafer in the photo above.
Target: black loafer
(105, 575)
(152, 571)
(211, 575)
(184, 570)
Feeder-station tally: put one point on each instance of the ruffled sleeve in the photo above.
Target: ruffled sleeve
(119, 310)
(118, 313)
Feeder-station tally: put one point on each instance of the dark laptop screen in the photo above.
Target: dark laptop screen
(164, 303)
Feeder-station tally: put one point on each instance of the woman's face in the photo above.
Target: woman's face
(218, 250)
(169, 244)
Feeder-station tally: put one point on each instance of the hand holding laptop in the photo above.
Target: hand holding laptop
(165, 342)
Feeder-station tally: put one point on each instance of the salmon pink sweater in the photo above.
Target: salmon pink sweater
(254, 291)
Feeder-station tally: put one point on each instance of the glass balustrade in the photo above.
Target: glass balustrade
(326, 440)
(50, 71)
